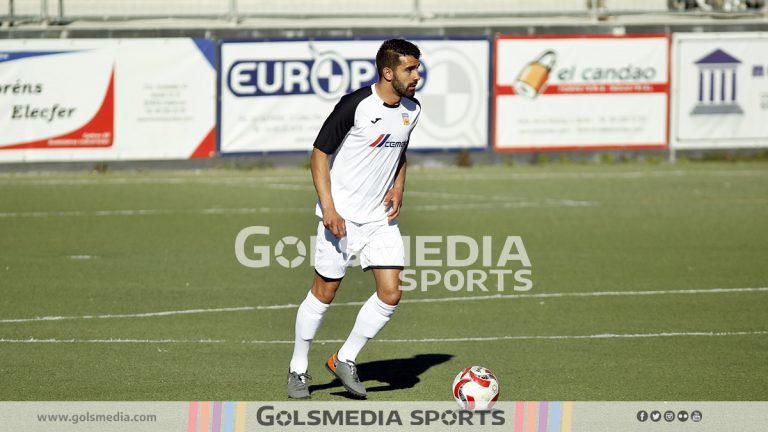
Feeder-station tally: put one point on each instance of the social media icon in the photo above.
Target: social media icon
(642, 416)
(669, 416)
(655, 416)
(682, 416)
(696, 416)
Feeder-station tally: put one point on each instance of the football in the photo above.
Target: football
(476, 388)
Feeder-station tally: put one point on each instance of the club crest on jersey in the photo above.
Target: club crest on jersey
(406, 119)
(383, 141)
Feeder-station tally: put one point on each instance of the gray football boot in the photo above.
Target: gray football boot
(346, 372)
(297, 385)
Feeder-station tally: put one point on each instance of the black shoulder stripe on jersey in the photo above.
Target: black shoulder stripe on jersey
(340, 121)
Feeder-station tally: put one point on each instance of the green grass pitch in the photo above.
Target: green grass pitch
(91, 247)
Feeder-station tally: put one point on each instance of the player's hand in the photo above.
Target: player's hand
(334, 223)
(394, 199)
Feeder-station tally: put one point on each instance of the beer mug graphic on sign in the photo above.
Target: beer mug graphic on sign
(534, 75)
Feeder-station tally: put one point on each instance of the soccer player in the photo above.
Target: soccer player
(358, 168)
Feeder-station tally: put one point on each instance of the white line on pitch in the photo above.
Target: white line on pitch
(425, 340)
(280, 210)
(591, 294)
(151, 314)
(569, 337)
(501, 201)
(35, 179)
(499, 205)
(584, 175)
(106, 181)
(508, 200)
(429, 300)
(153, 212)
(497, 201)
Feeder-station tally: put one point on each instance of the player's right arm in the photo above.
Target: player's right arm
(321, 176)
(328, 141)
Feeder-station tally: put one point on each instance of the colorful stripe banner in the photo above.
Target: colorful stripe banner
(216, 416)
(543, 416)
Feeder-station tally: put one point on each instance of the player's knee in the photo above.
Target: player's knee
(324, 291)
(390, 297)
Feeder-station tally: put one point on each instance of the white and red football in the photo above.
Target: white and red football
(476, 388)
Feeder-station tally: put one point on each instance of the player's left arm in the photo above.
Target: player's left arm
(394, 196)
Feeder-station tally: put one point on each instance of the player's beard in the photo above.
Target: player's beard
(402, 88)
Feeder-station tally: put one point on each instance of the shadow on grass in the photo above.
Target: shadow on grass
(397, 374)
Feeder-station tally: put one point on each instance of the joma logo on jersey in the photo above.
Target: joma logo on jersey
(383, 141)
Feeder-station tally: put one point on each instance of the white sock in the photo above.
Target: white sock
(308, 320)
(373, 316)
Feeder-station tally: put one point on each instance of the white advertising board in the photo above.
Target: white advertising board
(720, 90)
(275, 95)
(111, 99)
(581, 92)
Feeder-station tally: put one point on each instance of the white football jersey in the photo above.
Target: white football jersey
(366, 137)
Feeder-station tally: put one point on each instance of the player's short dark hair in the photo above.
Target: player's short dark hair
(390, 52)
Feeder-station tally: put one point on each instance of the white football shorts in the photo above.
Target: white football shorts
(377, 244)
